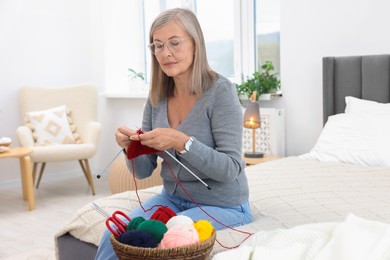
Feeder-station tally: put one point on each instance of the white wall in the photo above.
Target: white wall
(45, 43)
(311, 30)
(57, 43)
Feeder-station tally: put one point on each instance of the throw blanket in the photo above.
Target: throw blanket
(88, 225)
(355, 238)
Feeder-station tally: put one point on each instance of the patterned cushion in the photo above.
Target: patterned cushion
(52, 126)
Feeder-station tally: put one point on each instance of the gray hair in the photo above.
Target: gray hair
(202, 75)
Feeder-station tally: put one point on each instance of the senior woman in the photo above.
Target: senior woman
(193, 113)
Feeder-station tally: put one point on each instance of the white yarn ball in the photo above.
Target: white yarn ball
(179, 219)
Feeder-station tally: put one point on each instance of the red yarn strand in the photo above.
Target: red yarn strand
(204, 211)
(135, 149)
(136, 191)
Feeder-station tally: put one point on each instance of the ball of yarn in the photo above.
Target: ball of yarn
(138, 238)
(133, 224)
(154, 227)
(180, 235)
(204, 228)
(180, 219)
(163, 214)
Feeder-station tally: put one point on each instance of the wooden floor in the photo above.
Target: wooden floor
(28, 234)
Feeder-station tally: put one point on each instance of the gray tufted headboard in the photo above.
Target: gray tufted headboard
(365, 77)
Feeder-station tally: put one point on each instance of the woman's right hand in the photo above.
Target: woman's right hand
(122, 136)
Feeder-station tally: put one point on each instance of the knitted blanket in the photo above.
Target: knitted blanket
(88, 225)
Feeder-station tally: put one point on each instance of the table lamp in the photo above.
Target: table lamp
(252, 121)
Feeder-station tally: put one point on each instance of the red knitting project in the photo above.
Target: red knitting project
(136, 149)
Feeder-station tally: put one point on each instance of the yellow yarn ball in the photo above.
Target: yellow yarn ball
(204, 229)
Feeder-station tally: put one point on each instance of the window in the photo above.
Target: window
(267, 22)
(219, 34)
(239, 35)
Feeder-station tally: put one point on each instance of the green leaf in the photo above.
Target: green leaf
(134, 74)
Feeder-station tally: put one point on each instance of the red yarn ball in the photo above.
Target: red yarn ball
(163, 214)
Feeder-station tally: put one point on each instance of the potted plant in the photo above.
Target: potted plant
(262, 82)
(136, 81)
(134, 75)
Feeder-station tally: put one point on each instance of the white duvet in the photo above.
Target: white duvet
(355, 238)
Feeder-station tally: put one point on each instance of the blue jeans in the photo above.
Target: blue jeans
(223, 217)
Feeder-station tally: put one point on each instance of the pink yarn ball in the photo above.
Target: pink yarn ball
(179, 235)
(180, 219)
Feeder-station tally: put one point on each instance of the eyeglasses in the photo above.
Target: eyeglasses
(174, 45)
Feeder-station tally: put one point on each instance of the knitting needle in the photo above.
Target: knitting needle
(174, 158)
(100, 210)
(103, 213)
(99, 175)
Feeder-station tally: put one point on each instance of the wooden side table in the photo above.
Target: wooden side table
(266, 158)
(25, 172)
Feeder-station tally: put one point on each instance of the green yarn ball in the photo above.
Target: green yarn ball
(154, 227)
(133, 224)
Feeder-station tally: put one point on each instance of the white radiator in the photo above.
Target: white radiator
(270, 137)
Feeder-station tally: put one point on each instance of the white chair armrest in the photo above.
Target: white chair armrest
(25, 137)
(92, 133)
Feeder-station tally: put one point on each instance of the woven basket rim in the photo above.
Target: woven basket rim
(195, 250)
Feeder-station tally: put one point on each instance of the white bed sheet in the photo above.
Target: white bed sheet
(293, 191)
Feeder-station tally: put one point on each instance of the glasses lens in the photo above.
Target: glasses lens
(174, 44)
(156, 47)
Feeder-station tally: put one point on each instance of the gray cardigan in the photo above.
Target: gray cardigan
(215, 124)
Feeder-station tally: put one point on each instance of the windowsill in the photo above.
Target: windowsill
(270, 96)
(262, 97)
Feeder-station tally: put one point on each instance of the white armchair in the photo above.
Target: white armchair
(82, 102)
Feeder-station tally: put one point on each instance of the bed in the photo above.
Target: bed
(345, 177)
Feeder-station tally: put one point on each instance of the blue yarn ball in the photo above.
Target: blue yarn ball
(138, 238)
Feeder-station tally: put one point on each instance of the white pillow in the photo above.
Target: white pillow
(361, 139)
(356, 105)
(50, 126)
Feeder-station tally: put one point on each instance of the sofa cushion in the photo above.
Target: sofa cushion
(52, 126)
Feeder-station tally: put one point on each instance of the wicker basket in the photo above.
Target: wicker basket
(198, 251)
